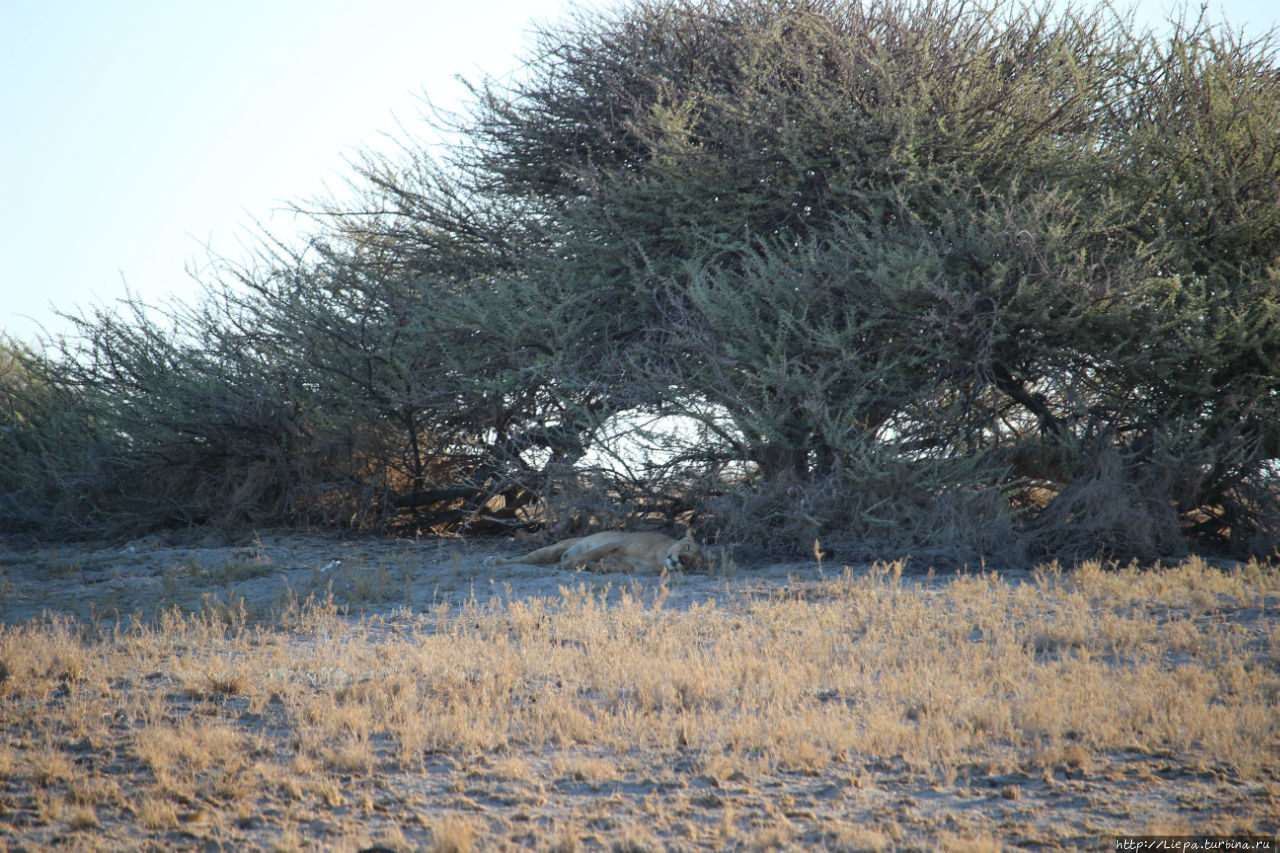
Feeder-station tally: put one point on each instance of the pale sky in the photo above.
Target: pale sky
(133, 133)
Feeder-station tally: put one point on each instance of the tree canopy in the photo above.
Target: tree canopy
(977, 281)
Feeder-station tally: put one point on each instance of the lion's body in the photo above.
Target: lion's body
(617, 551)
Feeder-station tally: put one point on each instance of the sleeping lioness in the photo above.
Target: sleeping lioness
(618, 551)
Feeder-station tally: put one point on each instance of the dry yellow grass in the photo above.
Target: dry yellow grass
(863, 712)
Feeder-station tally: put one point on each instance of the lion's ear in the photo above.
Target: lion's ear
(688, 535)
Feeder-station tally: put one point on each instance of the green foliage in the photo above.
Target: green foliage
(961, 281)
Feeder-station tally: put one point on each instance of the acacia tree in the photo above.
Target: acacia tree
(984, 281)
(898, 259)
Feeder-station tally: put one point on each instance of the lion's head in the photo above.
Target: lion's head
(685, 556)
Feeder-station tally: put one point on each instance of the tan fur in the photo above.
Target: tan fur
(617, 551)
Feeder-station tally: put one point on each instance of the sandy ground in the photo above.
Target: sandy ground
(365, 575)
(864, 803)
